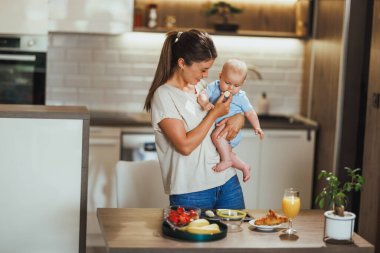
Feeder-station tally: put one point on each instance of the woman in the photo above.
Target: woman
(182, 130)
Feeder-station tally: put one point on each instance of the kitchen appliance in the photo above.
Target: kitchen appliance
(138, 146)
(23, 69)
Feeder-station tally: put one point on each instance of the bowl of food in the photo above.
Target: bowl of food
(232, 218)
(179, 216)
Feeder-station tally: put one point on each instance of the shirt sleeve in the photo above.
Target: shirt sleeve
(245, 104)
(163, 107)
(213, 91)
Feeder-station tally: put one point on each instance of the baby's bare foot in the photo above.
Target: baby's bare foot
(246, 173)
(222, 166)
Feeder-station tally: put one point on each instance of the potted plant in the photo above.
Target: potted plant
(224, 10)
(339, 224)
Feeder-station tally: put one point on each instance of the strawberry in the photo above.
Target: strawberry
(180, 210)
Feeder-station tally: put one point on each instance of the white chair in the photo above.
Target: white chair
(139, 185)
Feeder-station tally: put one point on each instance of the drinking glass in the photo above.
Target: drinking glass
(291, 205)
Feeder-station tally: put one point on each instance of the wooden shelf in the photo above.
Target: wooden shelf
(259, 18)
(213, 32)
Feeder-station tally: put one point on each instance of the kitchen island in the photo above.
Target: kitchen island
(139, 230)
(43, 183)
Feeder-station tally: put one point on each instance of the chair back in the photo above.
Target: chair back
(139, 185)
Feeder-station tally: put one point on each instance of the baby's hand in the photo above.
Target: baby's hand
(208, 107)
(260, 133)
(203, 101)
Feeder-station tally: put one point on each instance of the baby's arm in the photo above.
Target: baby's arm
(254, 121)
(203, 101)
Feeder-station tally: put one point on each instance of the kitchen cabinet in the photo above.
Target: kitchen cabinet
(104, 152)
(259, 18)
(90, 16)
(282, 160)
(24, 17)
(43, 181)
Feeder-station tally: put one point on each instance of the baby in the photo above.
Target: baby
(231, 79)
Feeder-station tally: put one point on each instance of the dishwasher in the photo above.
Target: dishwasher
(138, 144)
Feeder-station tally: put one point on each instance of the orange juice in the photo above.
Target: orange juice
(291, 206)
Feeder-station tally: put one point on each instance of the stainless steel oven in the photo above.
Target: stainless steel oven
(23, 69)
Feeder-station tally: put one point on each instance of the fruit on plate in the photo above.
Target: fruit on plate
(181, 217)
(202, 226)
(205, 230)
(199, 223)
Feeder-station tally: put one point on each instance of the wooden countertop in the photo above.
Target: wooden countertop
(125, 119)
(139, 230)
(45, 112)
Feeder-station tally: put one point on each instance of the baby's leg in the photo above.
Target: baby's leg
(223, 148)
(237, 163)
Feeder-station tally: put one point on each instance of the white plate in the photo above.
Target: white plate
(264, 227)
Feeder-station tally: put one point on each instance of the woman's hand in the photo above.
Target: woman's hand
(233, 125)
(221, 107)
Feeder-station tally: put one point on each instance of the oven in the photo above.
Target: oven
(23, 69)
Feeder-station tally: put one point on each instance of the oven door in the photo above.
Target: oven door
(22, 77)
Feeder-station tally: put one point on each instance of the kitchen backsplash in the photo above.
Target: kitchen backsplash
(114, 73)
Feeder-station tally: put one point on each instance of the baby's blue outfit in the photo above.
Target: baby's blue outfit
(240, 103)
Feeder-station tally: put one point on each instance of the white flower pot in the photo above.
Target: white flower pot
(339, 228)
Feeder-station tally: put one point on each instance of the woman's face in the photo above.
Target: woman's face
(193, 73)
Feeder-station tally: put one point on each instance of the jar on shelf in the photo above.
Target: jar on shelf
(138, 20)
(152, 16)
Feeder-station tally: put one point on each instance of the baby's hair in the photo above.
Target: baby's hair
(236, 65)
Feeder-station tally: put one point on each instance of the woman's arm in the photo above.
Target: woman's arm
(185, 142)
(233, 125)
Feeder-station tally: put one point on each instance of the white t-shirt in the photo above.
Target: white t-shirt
(184, 174)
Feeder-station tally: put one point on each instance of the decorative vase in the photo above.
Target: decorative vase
(337, 228)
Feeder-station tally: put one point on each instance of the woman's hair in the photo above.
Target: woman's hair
(192, 46)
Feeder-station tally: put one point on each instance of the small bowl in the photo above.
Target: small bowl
(232, 218)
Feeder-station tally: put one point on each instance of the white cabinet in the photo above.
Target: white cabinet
(24, 17)
(283, 159)
(91, 16)
(249, 151)
(104, 152)
(42, 184)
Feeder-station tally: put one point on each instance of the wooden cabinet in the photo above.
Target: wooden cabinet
(282, 160)
(90, 16)
(259, 17)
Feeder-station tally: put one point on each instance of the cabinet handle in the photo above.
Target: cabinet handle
(376, 100)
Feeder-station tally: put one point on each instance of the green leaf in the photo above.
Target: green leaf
(321, 203)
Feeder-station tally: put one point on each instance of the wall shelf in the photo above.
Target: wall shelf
(260, 18)
(213, 32)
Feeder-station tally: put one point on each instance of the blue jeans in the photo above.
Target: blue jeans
(227, 196)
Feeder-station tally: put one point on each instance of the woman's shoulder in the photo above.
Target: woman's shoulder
(163, 90)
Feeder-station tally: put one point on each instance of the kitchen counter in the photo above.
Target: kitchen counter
(124, 119)
(139, 230)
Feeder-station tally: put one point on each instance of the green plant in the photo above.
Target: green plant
(223, 9)
(334, 194)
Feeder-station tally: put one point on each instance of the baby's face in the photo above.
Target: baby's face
(231, 81)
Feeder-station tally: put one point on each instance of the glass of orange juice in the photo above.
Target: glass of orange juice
(291, 205)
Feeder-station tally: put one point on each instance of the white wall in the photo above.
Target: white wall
(114, 72)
